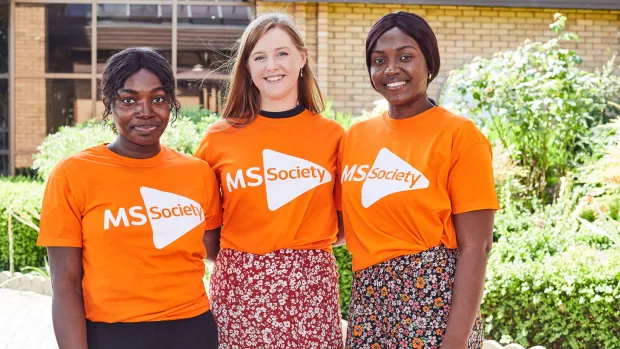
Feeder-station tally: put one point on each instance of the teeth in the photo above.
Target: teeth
(274, 78)
(396, 84)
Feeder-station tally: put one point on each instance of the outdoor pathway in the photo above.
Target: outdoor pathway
(26, 320)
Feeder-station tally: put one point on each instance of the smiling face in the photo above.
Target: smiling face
(142, 109)
(274, 65)
(398, 69)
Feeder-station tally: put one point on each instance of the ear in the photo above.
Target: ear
(304, 56)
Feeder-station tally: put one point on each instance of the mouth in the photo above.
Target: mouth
(145, 128)
(274, 79)
(395, 86)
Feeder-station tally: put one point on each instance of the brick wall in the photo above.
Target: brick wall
(462, 32)
(30, 91)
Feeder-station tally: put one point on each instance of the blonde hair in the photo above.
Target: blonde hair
(243, 98)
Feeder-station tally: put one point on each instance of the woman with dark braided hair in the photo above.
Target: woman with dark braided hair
(124, 224)
(418, 200)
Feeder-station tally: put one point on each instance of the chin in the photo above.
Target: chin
(397, 100)
(276, 95)
(145, 141)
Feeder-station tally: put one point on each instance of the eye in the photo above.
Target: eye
(405, 57)
(159, 99)
(128, 100)
(259, 58)
(282, 54)
(379, 60)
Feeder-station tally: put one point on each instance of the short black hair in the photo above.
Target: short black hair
(124, 64)
(415, 27)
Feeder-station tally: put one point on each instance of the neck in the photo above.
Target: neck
(419, 106)
(124, 147)
(283, 104)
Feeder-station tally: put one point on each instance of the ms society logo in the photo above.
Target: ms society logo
(285, 177)
(171, 215)
(388, 175)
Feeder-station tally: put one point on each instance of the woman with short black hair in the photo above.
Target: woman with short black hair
(124, 224)
(418, 201)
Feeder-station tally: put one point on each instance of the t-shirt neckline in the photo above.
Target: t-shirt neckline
(410, 121)
(123, 160)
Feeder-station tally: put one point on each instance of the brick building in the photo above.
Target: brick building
(52, 51)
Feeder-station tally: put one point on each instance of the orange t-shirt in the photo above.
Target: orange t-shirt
(140, 224)
(277, 177)
(402, 180)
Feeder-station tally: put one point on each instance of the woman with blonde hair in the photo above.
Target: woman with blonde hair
(275, 281)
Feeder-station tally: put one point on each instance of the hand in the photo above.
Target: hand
(452, 343)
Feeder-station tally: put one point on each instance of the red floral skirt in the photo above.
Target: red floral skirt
(285, 299)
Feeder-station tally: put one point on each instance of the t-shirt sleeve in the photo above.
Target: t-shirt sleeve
(201, 151)
(213, 207)
(471, 185)
(61, 219)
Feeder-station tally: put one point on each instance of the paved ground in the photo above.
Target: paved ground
(25, 321)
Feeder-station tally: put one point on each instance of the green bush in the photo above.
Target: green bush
(538, 103)
(182, 135)
(347, 119)
(22, 196)
(569, 300)
(68, 141)
(553, 279)
(343, 259)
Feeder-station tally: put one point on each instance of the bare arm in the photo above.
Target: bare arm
(211, 240)
(340, 237)
(67, 302)
(474, 233)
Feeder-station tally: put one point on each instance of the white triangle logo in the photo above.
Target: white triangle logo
(171, 215)
(393, 175)
(287, 177)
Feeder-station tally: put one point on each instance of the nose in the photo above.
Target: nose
(391, 69)
(271, 63)
(144, 109)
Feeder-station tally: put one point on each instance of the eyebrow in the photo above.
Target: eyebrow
(397, 49)
(134, 92)
(277, 48)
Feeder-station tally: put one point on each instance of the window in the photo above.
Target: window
(68, 38)
(123, 26)
(68, 102)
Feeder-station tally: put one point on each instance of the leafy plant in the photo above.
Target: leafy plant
(569, 300)
(606, 170)
(344, 259)
(44, 271)
(182, 135)
(538, 103)
(22, 197)
(344, 119)
(67, 141)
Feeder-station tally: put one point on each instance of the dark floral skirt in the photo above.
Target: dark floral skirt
(286, 299)
(405, 302)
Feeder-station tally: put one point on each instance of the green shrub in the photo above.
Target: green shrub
(347, 119)
(550, 270)
(23, 196)
(183, 135)
(201, 117)
(343, 259)
(538, 103)
(68, 141)
(570, 300)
